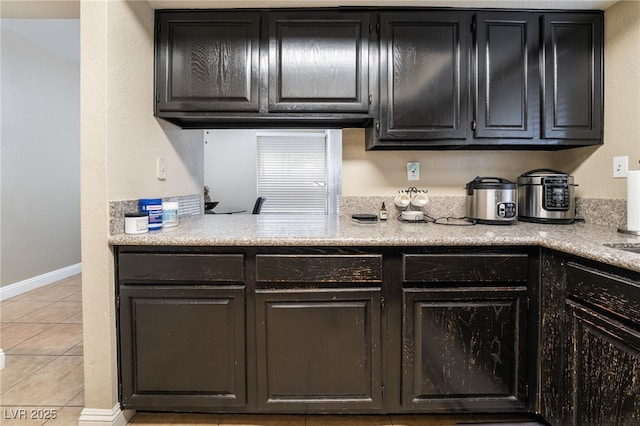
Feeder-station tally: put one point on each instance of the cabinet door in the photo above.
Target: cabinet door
(573, 87)
(207, 62)
(424, 75)
(319, 350)
(464, 349)
(182, 348)
(506, 76)
(319, 62)
(604, 360)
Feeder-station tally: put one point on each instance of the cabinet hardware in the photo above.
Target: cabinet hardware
(473, 125)
(377, 126)
(370, 99)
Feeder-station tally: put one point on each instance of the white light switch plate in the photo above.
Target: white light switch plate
(161, 167)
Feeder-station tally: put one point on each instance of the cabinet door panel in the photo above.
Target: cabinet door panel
(572, 77)
(208, 62)
(182, 347)
(424, 75)
(319, 348)
(319, 62)
(506, 78)
(605, 365)
(464, 349)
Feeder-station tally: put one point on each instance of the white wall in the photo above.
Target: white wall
(120, 141)
(230, 168)
(40, 143)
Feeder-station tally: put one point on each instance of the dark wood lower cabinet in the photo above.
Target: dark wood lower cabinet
(464, 349)
(378, 330)
(605, 366)
(182, 347)
(590, 342)
(319, 350)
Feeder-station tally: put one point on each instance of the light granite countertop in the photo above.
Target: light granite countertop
(582, 239)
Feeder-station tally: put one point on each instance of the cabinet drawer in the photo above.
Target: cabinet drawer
(464, 267)
(181, 267)
(613, 293)
(319, 268)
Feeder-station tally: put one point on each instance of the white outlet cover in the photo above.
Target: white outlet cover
(620, 166)
(413, 170)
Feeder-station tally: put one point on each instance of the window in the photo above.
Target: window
(299, 171)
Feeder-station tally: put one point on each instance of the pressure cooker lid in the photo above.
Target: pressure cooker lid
(542, 176)
(481, 182)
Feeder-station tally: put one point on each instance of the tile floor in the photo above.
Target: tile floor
(41, 334)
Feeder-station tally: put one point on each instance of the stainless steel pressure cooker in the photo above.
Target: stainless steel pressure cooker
(546, 196)
(491, 200)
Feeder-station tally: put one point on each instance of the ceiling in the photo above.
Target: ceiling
(57, 9)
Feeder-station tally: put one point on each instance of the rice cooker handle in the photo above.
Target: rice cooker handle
(481, 179)
(532, 172)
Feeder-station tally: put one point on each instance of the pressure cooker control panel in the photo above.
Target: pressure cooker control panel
(506, 210)
(556, 193)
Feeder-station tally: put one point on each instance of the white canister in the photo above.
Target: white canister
(169, 213)
(136, 223)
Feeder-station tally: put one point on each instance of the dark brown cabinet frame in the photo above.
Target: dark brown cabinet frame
(589, 347)
(322, 330)
(422, 78)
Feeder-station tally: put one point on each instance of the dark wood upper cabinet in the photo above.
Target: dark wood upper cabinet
(319, 62)
(573, 103)
(416, 79)
(506, 78)
(423, 76)
(207, 62)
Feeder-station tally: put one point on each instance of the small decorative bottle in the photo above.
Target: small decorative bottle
(383, 212)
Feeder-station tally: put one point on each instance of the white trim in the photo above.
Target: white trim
(1, 359)
(33, 283)
(105, 416)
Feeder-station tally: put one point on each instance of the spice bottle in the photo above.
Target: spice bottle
(383, 212)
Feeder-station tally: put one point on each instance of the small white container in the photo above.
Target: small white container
(136, 223)
(170, 213)
(412, 216)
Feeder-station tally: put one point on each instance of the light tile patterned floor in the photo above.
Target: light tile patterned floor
(41, 334)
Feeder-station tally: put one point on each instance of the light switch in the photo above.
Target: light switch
(161, 167)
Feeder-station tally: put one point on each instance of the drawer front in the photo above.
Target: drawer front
(464, 267)
(181, 267)
(319, 268)
(607, 291)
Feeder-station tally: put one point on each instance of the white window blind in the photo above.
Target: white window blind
(293, 170)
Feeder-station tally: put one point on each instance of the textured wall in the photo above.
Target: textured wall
(40, 183)
(120, 142)
(592, 167)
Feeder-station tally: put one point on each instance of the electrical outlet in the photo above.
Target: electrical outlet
(413, 170)
(161, 168)
(620, 166)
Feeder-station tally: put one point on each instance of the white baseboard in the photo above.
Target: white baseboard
(29, 284)
(1, 359)
(103, 417)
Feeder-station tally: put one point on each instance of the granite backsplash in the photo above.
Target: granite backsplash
(599, 211)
